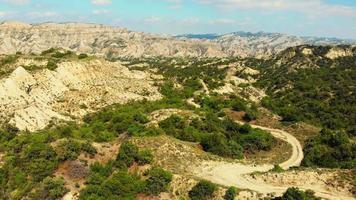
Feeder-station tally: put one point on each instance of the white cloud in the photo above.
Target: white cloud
(4, 14)
(101, 12)
(222, 21)
(190, 21)
(16, 2)
(311, 7)
(175, 4)
(152, 20)
(42, 14)
(101, 2)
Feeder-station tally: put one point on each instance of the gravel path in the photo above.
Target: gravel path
(238, 174)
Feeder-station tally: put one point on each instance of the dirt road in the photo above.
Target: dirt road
(237, 174)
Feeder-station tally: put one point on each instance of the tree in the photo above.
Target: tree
(158, 181)
(204, 189)
(51, 189)
(230, 193)
(296, 194)
(239, 104)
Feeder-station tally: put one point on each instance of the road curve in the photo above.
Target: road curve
(237, 174)
(297, 151)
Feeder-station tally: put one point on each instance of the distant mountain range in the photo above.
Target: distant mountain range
(307, 39)
(114, 42)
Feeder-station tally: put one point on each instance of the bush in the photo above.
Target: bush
(68, 150)
(51, 189)
(230, 193)
(277, 169)
(296, 194)
(51, 65)
(88, 148)
(82, 56)
(120, 185)
(129, 153)
(144, 157)
(218, 144)
(257, 140)
(239, 104)
(202, 190)
(250, 115)
(158, 181)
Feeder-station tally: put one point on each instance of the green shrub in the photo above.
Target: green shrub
(202, 190)
(250, 115)
(230, 193)
(82, 56)
(239, 104)
(144, 157)
(88, 148)
(129, 153)
(296, 194)
(68, 150)
(51, 65)
(158, 181)
(218, 144)
(277, 169)
(49, 51)
(51, 189)
(256, 140)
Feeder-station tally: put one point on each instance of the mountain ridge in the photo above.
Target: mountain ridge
(113, 42)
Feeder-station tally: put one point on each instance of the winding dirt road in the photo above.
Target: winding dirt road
(237, 174)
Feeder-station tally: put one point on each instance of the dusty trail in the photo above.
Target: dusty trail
(237, 174)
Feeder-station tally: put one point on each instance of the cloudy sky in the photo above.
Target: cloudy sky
(332, 18)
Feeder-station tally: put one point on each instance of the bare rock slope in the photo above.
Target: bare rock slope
(30, 100)
(117, 42)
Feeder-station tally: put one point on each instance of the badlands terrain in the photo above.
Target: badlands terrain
(95, 112)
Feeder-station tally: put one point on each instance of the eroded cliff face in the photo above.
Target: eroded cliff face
(98, 40)
(30, 100)
(112, 42)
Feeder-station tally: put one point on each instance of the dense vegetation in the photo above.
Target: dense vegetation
(321, 94)
(319, 91)
(186, 71)
(52, 56)
(114, 181)
(223, 137)
(330, 149)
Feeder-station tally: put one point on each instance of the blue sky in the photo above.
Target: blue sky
(331, 18)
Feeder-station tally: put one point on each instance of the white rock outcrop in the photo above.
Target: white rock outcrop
(31, 100)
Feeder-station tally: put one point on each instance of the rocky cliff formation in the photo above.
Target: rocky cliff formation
(31, 99)
(112, 42)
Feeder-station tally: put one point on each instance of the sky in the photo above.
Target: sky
(322, 18)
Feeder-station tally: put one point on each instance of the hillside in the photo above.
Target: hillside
(95, 112)
(312, 83)
(112, 42)
(316, 85)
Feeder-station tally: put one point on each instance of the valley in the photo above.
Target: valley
(95, 112)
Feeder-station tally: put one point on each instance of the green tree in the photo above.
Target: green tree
(203, 190)
(158, 181)
(230, 193)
